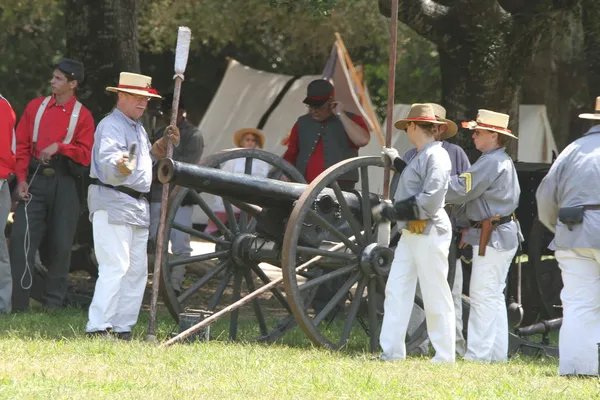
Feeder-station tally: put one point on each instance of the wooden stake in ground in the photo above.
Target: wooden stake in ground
(383, 229)
(181, 56)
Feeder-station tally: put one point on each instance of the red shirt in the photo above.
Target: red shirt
(316, 162)
(53, 129)
(7, 139)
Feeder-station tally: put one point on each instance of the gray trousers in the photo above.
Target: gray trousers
(5, 280)
(52, 215)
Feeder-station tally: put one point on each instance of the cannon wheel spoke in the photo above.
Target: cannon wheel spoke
(210, 214)
(214, 301)
(231, 219)
(235, 296)
(262, 325)
(313, 283)
(353, 311)
(198, 234)
(198, 285)
(340, 295)
(333, 230)
(275, 291)
(347, 213)
(373, 319)
(366, 203)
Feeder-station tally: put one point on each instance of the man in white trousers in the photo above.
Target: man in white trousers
(119, 210)
(568, 201)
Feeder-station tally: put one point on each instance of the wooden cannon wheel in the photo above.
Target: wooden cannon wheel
(357, 284)
(222, 283)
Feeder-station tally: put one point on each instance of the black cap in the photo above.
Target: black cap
(319, 92)
(71, 68)
(167, 103)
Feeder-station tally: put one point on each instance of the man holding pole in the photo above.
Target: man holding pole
(121, 167)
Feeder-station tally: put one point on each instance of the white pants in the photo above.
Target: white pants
(180, 241)
(422, 257)
(418, 315)
(122, 275)
(488, 321)
(580, 330)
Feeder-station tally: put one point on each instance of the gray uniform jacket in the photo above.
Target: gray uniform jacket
(458, 157)
(113, 137)
(489, 188)
(426, 177)
(573, 180)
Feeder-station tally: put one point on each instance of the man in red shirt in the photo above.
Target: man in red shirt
(319, 139)
(54, 140)
(7, 167)
(326, 135)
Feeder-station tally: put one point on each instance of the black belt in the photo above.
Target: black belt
(503, 220)
(133, 193)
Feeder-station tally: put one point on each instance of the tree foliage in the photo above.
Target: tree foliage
(32, 39)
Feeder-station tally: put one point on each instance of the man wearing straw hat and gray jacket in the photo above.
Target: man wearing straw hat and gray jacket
(121, 167)
(568, 201)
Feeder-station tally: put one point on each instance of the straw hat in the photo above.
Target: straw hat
(440, 114)
(238, 135)
(135, 84)
(490, 121)
(419, 113)
(596, 114)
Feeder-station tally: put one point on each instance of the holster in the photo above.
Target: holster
(486, 226)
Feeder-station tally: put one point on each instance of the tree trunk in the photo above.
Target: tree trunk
(103, 34)
(485, 47)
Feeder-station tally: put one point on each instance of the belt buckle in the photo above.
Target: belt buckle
(48, 171)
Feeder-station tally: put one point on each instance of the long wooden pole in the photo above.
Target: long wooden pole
(383, 232)
(181, 55)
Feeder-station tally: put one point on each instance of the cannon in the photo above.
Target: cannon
(287, 224)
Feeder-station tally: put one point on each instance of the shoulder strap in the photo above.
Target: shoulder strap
(73, 123)
(38, 118)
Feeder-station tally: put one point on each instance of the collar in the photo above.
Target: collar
(499, 149)
(592, 130)
(430, 144)
(67, 106)
(125, 118)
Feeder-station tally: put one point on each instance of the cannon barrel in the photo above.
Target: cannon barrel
(251, 189)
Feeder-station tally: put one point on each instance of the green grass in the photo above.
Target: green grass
(47, 356)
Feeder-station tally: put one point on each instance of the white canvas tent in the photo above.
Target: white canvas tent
(535, 144)
(272, 102)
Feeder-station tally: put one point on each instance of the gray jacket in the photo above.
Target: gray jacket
(489, 188)
(573, 180)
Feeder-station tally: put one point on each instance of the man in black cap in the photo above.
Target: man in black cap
(189, 150)
(325, 135)
(319, 139)
(54, 139)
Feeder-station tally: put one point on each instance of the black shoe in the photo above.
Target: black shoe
(126, 336)
(98, 334)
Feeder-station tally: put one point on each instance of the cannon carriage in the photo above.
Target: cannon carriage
(318, 234)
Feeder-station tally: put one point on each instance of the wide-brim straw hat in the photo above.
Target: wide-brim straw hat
(140, 85)
(490, 121)
(239, 134)
(595, 115)
(440, 114)
(419, 113)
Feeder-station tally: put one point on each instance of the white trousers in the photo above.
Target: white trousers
(422, 257)
(488, 320)
(180, 241)
(418, 314)
(580, 330)
(122, 275)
